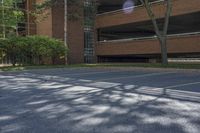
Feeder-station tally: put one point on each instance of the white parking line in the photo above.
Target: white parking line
(88, 73)
(181, 85)
(137, 76)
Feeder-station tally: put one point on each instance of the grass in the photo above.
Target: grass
(144, 65)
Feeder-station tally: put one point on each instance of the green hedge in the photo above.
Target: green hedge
(33, 50)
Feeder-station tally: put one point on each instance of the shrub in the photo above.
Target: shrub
(3, 43)
(32, 50)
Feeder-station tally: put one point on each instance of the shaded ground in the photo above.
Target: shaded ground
(94, 100)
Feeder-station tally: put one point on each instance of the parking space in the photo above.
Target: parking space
(100, 100)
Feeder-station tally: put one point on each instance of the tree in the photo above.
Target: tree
(161, 33)
(10, 16)
(65, 28)
(32, 50)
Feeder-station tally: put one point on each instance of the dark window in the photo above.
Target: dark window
(89, 13)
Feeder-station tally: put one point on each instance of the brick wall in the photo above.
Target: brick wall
(139, 14)
(75, 33)
(185, 44)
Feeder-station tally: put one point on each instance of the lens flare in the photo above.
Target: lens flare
(128, 6)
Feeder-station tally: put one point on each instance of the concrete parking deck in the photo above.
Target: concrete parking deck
(100, 100)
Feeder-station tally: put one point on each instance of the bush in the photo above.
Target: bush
(3, 43)
(33, 50)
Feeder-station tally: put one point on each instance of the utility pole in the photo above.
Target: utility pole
(65, 28)
(3, 18)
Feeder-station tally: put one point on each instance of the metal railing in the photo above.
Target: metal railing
(151, 37)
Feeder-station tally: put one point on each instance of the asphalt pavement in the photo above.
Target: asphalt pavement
(100, 100)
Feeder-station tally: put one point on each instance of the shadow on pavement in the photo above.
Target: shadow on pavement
(33, 103)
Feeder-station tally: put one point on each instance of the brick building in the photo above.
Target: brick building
(116, 34)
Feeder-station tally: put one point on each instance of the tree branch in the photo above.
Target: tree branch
(147, 5)
(167, 15)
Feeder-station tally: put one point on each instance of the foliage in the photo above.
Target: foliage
(10, 16)
(32, 50)
(2, 48)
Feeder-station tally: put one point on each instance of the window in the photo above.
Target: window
(89, 13)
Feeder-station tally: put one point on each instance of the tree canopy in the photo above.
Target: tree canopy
(10, 15)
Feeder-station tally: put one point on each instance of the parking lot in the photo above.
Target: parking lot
(100, 100)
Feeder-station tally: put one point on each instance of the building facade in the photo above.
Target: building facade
(121, 33)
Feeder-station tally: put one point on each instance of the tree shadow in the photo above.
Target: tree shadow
(39, 103)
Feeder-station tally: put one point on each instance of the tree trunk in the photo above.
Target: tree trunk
(163, 46)
(65, 28)
(14, 61)
(17, 33)
(161, 34)
(3, 22)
